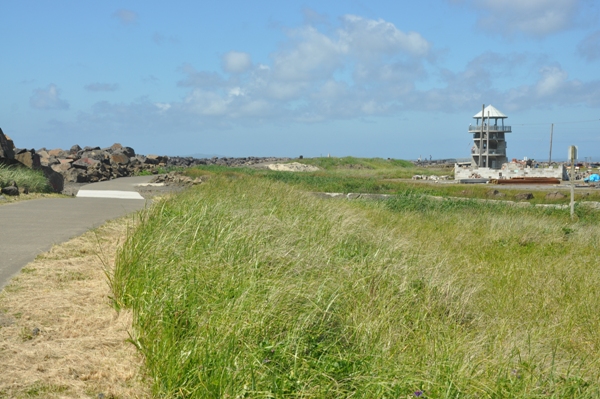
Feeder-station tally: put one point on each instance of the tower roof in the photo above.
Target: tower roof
(493, 113)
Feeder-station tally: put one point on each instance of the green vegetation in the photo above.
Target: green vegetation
(32, 180)
(373, 167)
(247, 287)
(377, 176)
(331, 163)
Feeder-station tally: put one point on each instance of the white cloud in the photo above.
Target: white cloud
(553, 87)
(48, 98)
(200, 78)
(126, 17)
(236, 62)
(368, 38)
(589, 48)
(531, 17)
(553, 78)
(102, 87)
(163, 106)
(361, 68)
(207, 103)
(310, 55)
(353, 70)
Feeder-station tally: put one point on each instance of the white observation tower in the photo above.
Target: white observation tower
(489, 144)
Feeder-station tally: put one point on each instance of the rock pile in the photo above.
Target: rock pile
(247, 161)
(173, 178)
(430, 177)
(93, 164)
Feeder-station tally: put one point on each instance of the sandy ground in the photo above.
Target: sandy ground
(292, 167)
(59, 335)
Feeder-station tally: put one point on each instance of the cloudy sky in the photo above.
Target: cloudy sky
(383, 78)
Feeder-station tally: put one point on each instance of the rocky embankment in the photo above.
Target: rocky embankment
(94, 164)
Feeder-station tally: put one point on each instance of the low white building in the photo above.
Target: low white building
(508, 171)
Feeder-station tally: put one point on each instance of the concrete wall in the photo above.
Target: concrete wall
(508, 171)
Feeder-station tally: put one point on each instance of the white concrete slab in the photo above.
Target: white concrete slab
(109, 194)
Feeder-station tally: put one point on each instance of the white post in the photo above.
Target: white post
(573, 157)
(487, 141)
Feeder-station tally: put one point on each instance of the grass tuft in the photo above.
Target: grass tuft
(32, 180)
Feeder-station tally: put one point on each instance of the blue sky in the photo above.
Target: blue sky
(286, 78)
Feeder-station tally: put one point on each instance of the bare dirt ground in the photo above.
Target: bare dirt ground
(59, 335)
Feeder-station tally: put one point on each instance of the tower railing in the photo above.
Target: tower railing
(492, 128)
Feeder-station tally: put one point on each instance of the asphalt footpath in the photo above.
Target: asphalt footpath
(28, 228)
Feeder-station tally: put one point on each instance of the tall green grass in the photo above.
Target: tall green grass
(329, 163)
(246, 287)
(378, 176)
(32, 180)
(373, 167)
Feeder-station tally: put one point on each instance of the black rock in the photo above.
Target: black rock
(10, 190)
(75, 149)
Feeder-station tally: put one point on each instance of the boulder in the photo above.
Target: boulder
(7, 147)
(152, 160)
(44, 156)
(75, 175)
(61, 167)
(10, 190)
(55, 179)
(495, 193)
(555, 195)
(125, 150)
(524, 196)
(51, 161)
(29, 159)
(119, 158)
(96, 154)
(58, 153)
(85, 163)
(75, 149)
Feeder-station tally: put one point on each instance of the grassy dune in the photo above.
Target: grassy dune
(246, 287)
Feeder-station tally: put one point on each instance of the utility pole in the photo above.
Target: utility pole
(551, 132)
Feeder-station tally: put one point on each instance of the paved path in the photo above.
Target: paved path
(28, 228)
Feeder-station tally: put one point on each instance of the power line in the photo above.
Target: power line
(556, 123)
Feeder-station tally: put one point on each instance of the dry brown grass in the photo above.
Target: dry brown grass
(59, 335)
